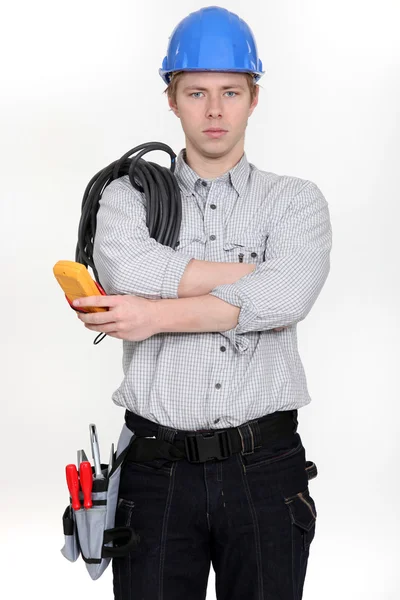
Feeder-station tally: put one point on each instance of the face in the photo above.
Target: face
(207, 100)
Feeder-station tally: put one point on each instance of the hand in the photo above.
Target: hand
(128, 317)
(278, 328)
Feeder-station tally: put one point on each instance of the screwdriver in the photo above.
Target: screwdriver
(85, 474)
(73, 485)
(81, 457)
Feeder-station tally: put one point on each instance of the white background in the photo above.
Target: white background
(80, 87)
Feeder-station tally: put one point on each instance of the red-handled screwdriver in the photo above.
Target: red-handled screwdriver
(73, 485)
(86, 479)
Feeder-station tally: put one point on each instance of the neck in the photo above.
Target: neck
(210, 167)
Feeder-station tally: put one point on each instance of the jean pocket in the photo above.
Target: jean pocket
(303, 515)
(156, 465)
(270, 454)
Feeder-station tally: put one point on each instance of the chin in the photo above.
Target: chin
(215, 146)
(214, 152)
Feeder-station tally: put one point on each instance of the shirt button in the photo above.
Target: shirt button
(213, 237)
(177, 243)
(212, 206)
(254, 254)
(218, 386)
(222, 348)
(204, 183)
(217, 420)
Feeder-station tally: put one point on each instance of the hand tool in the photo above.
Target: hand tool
(86, 481)
(81, 457)
(111, 461)
(73, 485)
(95, 452)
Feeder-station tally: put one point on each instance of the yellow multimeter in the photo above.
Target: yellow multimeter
(76, 282)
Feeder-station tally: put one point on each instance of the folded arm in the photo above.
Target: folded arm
(282, 290)
(233, 298)
(129, 261)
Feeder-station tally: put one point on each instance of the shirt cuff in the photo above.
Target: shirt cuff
(230, 293)
(173, 274)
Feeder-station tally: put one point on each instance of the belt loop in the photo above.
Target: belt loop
(247, 438)
(255, 426)
(166, 433)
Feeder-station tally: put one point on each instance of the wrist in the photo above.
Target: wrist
(156, 314)
(167, 313)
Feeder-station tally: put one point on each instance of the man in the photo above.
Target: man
(211, 365)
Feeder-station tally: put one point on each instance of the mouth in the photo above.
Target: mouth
(215, 133)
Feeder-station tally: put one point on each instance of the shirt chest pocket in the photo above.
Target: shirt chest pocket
(192, 243)
(247, 248)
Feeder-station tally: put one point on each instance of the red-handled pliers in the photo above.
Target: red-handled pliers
(86, 482)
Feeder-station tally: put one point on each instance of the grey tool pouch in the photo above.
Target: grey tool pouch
(90, 532)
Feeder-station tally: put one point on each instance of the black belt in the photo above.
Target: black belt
(202, 445)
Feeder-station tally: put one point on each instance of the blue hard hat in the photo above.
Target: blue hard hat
(211, 39)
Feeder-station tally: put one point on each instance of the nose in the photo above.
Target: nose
(214, 107)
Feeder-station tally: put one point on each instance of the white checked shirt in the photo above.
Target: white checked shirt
(214, 380)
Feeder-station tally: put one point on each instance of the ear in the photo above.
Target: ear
(173, 107)
(255, 101)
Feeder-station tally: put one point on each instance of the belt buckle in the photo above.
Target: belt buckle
(200, 448)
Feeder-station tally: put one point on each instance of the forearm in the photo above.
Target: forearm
(201, 276)
(195, 315)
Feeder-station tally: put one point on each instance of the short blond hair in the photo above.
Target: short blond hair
(171, 89)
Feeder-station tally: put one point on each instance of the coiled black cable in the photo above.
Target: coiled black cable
(163, 201)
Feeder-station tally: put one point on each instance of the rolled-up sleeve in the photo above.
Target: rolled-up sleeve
(282, 290)
(127, 259)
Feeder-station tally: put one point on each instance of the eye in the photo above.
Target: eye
(193, 94)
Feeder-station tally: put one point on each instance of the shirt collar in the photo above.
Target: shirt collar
(237, 176)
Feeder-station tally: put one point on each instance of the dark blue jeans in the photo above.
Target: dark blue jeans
(251, 516)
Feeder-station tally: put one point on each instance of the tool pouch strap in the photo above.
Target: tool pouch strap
(311, 469)
(116, 535)
(144, 449)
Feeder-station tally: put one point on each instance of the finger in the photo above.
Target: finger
(99, 318)
(103, 301)
(108, 328)
(114, 334)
